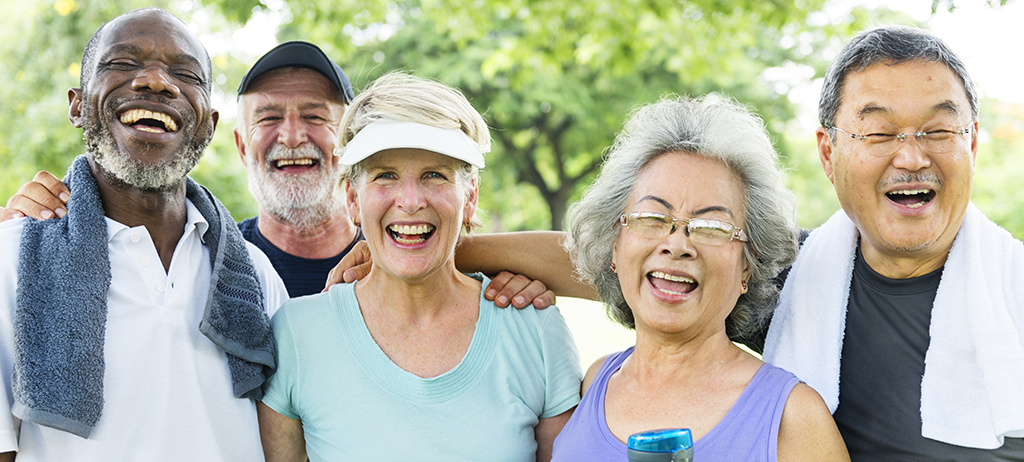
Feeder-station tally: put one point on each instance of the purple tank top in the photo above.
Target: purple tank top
(748, 432)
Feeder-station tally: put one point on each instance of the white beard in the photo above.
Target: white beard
(304, 200)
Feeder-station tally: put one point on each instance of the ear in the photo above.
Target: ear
(615, 249)
(75, 96)
(974, 142)
(214, 118)
(469, 209)
(240, 144)
(746, 271)
(352, 201)
(825, 152)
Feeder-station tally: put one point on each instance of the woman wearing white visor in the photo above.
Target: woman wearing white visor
(412, 363)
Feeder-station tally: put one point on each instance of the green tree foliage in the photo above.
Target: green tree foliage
(555, 80)
(1000, 165)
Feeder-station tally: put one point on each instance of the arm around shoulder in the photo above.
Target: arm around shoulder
(538, 255)
(807, 432)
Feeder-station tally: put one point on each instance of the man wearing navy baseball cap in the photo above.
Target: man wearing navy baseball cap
(289, 106)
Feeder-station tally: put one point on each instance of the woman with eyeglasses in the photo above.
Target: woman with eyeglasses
(681, 235)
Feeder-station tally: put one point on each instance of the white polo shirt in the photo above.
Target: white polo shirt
(166, 387)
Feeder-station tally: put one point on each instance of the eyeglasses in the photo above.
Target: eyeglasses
(887, 139)
(707, 231)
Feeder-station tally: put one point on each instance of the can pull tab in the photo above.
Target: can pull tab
(666, 445)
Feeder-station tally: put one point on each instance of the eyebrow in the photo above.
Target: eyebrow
(396, 166)
(700, 211)
(280, 107)
(944, 106)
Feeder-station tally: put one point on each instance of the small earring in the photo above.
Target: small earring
(743, 284)
(355, 222)
(612, 265)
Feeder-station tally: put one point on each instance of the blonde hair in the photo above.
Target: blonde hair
(404, 97)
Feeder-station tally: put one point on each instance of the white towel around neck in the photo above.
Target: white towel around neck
(972, 393)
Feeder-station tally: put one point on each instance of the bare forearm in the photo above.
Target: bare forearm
(7, 457)
(537, 255)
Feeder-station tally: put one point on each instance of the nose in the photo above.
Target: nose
(678, 244)
(292, 132)
(410, 197)
(910, 156)
(155, 80)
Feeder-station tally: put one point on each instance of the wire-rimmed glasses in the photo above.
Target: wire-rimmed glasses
(887, 139)
(708, 231)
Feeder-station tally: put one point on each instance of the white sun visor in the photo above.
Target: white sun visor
(381, 135)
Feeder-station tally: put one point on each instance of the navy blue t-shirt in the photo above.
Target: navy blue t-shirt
(302, 276)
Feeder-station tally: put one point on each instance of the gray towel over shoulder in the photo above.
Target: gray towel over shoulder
(60, 319)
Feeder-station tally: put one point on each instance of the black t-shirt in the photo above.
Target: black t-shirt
(302, 276)
(879, 413)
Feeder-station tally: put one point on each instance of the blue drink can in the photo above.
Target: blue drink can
(669, 445)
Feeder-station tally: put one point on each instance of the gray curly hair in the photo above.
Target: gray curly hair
(713, 127)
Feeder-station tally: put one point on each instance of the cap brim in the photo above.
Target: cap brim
(299, 54)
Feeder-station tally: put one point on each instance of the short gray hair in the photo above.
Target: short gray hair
(890, 45)
(715, 128)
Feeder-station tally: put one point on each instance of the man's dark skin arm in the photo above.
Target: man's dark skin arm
(7, 457)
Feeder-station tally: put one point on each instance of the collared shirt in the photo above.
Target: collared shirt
(167, 388)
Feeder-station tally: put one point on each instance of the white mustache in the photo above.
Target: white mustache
(305, 151)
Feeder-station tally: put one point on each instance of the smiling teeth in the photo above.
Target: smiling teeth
(911, 192)
(134, 115)
(290, 162)
(410, 229)
(668, 277)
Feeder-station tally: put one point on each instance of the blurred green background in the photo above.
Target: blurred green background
(554, 79)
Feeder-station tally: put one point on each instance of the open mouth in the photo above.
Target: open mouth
(671, 285)
(149, 121)
(911, 198)
(411, 234)
(290, 164)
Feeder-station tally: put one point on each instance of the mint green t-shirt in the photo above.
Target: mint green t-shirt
(355, 404)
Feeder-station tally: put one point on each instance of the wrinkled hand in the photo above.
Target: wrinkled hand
(354, 266)
(42, 198)
(518, 289)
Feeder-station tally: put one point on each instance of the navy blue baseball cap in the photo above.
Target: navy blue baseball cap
(299, 54)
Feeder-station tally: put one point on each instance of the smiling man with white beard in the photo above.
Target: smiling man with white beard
(290, 104)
